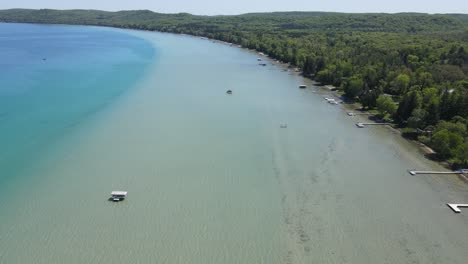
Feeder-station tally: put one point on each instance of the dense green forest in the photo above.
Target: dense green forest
(412, 68)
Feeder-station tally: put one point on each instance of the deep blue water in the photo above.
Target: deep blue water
(52, 78)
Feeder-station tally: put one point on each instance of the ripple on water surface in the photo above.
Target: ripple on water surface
(213, 178)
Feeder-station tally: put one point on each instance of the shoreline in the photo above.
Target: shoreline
(196, 161)
(424, 149)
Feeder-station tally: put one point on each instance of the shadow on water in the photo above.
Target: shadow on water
(114, 201)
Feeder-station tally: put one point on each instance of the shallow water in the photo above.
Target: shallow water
(54, 77)
(212, 178)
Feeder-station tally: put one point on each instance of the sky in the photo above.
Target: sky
(231, 7)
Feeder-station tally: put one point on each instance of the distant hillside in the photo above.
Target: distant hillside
(461, 17)
(297, 21)
(86, 17)
(322, 21)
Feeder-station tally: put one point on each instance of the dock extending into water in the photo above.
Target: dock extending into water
(414, 172)
(355, 114)
(456, 207)
(361, 125)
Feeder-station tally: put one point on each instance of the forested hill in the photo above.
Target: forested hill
(461, 17)
(410, 67)
(296, 21)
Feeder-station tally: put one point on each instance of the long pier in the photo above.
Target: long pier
(414, 172)
(355, 114)
(456, 207)
(361, 125)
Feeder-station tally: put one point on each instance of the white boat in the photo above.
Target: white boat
(118, 196)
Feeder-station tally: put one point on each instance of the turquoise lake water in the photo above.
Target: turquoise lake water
(53, 77)
(212, 178)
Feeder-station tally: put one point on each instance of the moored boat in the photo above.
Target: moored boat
(118, 196)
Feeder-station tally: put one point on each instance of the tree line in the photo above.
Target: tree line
(411, 68)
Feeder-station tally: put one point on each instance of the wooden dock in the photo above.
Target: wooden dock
(456, 207)
(414, 172)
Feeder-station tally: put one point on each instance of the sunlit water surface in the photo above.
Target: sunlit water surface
(212, 178)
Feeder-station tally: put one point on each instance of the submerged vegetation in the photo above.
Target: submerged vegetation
(412, 68)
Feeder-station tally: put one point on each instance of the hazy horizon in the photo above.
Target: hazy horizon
(213, 7)
(252, 12)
